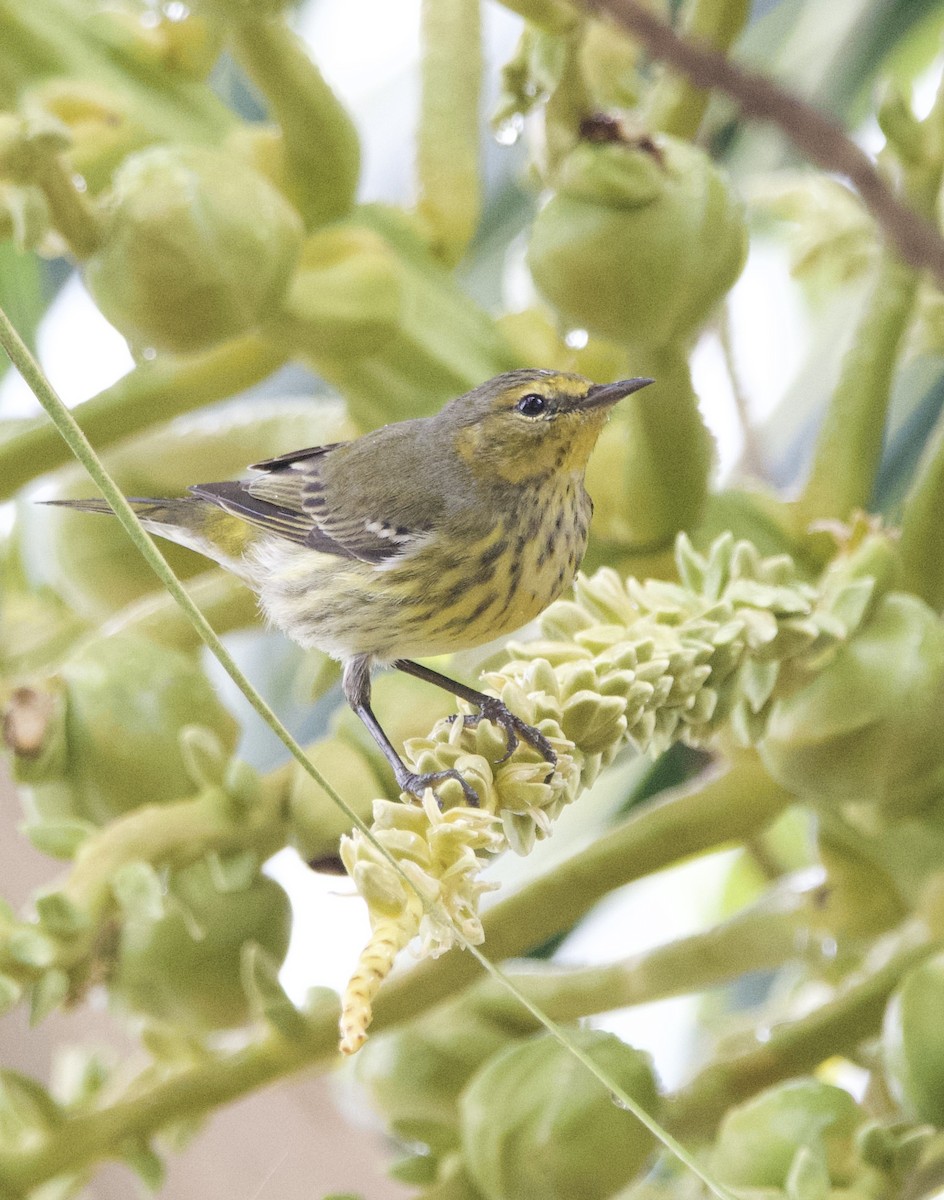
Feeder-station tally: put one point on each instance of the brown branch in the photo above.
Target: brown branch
(822, 139)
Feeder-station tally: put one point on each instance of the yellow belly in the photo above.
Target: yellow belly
(452, 594)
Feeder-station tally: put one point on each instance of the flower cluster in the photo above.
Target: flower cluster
(623, 663)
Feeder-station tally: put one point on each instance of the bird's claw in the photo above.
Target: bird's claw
(516, 730)
(416, 785)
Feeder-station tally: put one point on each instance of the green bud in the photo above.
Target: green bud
(911, 1042)
(57, 838)
(867, 726)
(146, 1163)
(639, 241)
(385, 323)
(139, 891)
(27, 1110)
(536, 1125)
(417, 1073)
(901, 127)
(24, 216)
(59, 916)
(860, 899)
(315, 821)
(121, 703)
(197, 248)
(534, 337)
(10, 994)
(48, 993)
(204, 756)
(184, 966)
(609, 59)
(758, 1141)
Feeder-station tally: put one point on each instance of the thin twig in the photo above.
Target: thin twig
(822, 139)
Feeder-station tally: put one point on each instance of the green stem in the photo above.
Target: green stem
(161, 833)
(553, 16)
(849, 445)
(321, 143)
(78, 443)
(760, 939)
(850, 442)
(73, 214)
(676, 106)
(447, 151)
(191, 1092)
(152, 392)
(795, 1047)
(225, 601)
(922, 546)
(726, 809)
(175, 833)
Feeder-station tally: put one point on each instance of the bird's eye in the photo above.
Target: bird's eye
(531, 405)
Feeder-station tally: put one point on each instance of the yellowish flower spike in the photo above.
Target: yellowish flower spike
(622, 663)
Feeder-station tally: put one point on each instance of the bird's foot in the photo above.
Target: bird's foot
(495, 710)
(416, 785)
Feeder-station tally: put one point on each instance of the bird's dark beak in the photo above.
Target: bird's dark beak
(604, 394)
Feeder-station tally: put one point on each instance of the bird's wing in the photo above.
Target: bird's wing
(307, 497)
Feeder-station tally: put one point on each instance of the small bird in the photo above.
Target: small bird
(423, 537)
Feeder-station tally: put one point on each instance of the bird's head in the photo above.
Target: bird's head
(529, 424)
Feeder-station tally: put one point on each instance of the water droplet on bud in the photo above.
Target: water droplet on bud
(508, 132)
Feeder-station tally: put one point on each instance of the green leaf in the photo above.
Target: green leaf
(10, 993)
(59, 916)
(59, 839)
(26, 1108)
(31, 948)
(47, 993)
(146, 1164)
(137, 888)
(267, 997)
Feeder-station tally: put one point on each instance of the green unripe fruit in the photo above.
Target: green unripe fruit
(117, 706)
(384, 322)
(912, 1046)
(417, 1073)
(315, 821)
(198, 247)
(183, 966)
(639, 242)
(867, 727)
(759, 1140)
(536, 1125)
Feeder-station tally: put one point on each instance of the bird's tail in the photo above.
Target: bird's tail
(189, 521)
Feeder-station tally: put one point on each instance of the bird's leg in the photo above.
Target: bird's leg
(490, 709)
(356, 685)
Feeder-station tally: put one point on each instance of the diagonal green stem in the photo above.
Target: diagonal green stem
(795, 1047)
(726, 809)
(676, 105)
(216, 1082)
(190, 1092)
(849, 445)
(759, 939)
